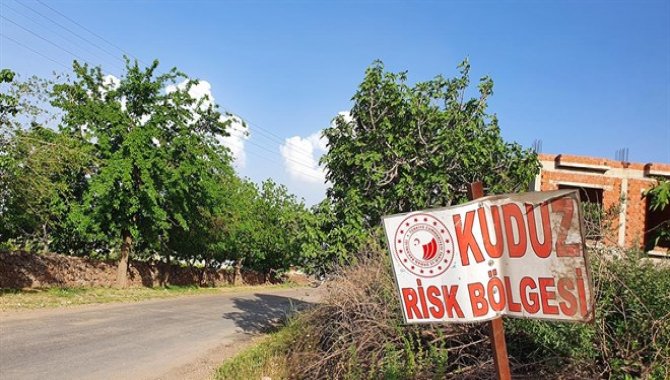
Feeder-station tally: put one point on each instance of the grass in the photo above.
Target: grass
(16, 300)
(342, 339)
(266, 358)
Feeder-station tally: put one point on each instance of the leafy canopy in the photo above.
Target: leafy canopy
(409, 147)
(155, 149)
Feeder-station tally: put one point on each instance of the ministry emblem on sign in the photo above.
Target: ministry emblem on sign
(424, 246)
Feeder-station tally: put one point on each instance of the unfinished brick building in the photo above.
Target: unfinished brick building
(606, 182)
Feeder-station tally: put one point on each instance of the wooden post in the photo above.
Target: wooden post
(496, 328)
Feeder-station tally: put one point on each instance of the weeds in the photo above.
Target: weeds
(267, 358)
(358, 333)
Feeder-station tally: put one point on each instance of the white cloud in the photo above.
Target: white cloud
(110, 82)
(201, 90)
(300, 157)
(346, 115)
(237, 129)
(301, 154)
(235, 142)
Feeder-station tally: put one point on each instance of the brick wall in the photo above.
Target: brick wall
(616, 179)
(636, 212)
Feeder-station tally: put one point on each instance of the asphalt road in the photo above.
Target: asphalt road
(145, 340)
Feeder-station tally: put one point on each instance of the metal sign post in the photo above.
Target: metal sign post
(496, 327)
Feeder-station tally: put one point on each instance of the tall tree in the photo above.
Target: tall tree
(9, 104)
(270, 233)
(41, 170)
(43, 174)
(412, 147)
(156, 152)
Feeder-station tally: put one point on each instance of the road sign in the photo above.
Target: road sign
(519, 255)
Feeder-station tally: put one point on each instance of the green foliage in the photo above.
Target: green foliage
(156, 152)
(44, 173)
(323, 239)
(599, 222)
(137, 160)
(414, 147)
(41, 170)
(631, 334)
(277, 218)
(9, 105)
(659, 196)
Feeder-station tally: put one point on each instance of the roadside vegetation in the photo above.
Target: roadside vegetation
(357, 332)
(413, 147)
(135, 168)
(18, 300)
(267, 357)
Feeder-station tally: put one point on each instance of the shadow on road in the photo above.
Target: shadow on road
(263, 313)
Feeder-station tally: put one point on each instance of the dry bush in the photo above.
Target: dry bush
(600, 223)
(630, 337)
(358, 332)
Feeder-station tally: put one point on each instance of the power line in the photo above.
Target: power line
(296, 148)
(274, 161)
(55, 33)
(250, 142)
(37, 140)
(45, 39)
(266, 133)
(33, 50)
(286, 158)
(67, 29)
(90, 31)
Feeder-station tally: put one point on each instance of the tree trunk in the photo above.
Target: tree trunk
(168, 269)
(237, 279)
(122, 269)
(45, 239)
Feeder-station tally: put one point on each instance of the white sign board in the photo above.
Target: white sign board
(519, 255)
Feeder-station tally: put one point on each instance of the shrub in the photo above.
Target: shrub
(358, 331)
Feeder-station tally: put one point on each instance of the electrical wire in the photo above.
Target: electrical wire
(33, 50)
(90, 31)
(263, 132)
(46, 40)
(68, 30)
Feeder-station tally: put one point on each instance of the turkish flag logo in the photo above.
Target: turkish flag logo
(429, 250)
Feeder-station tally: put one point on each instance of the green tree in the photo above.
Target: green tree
(9, 105)
(273, 243)
(323, 239)
(240, 239)
(211, 238)
(659, 200)
(155, 154)
(41, 170)
(43, 174)
(413, 147)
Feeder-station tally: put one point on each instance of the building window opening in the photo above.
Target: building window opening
(657, 229)
(599, 223)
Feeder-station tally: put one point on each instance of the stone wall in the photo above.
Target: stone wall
(19, 270)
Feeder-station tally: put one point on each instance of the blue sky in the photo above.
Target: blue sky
(585, 77)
